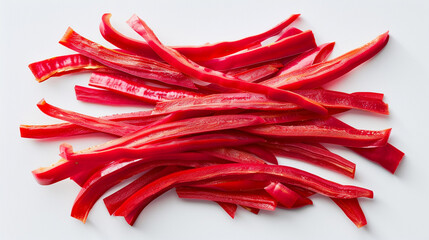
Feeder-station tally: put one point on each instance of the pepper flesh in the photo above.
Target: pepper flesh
(144, 196)
(190, 68)
(137, 89)
(195, 53)
(93, 95)
(352, 210)
(286, 47)
(131, 64)
(319, 74)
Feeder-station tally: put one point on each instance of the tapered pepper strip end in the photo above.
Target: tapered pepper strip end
(52, 174)
(185, 65)
(229, 208)
(282, 194)
(352, 210)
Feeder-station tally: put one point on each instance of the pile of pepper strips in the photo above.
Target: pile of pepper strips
(222, 114)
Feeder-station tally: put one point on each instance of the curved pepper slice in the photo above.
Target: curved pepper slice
(319, 74)
(284, 174)
(309, 133)
(131, 64)
(195, 53)
(283, 48)
(190, 68)
(352, 210)
(93, 95)
(137, 89)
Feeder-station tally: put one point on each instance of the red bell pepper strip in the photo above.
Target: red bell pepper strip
(256, 73)
(195, 53)
(115, 200)
(334, 99)
(238, 71)
(116, 172)
(92, 95)
(284, 195)
(184, 144)
(387, 156)
(135, 204)
(261, 152)
(235, 185)
(309, 133)
(131, 64)
(190, 68)
(252, 210)
(224, 101)
(233, 155)
(229, 208)
(285, 47)
(352, 210)
(137, 89)
(69, 129)
(315, 154)
(316, 75)
(98, 124)
(60, 65)
(373, 95)
(311, 57)
(254, 199)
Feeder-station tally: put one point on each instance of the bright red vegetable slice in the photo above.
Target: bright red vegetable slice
(114, 173)
(190, 68)
(229, 208)
(284, 195)
(319, 74)
(233, 155)
(137, 89)
(316, 55)
(115, 200)
(98, 124)
(256, 73)
(195, 53)
(352, 210)
(183, 144)
(253, 199)
(261, 152)
(386, 156)
(61, 65)
(284, 174)
(131, 64)
(283, 48)
(99, 96)
(315, 154)
(309, 133)
(234, 185)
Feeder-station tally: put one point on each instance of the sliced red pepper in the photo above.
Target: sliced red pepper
(289, 31)
(256, 73)
(309, 133)
(190, 68)
(386, 156)
(61, 65)
(195, 53)
(315, 154)
(184, 144)
(98, 124)
(234, 185)
(319, 74)
(311, 57)
(116, 172)
(99, 96)
(131, 64)
(285, 47)
(137, 89)
(352, 210)
(229, 208)
(234, 155)
(335, 99)
(261, 152)
(69, 129)
(135, 204)
(115, 200)
(284, 195)
(253, 199)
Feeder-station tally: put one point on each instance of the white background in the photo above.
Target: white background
(30, 30)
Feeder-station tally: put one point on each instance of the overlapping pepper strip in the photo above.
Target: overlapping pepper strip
(319, 74)
(190, 68)
(195, 53)
(138, 201)
(128, 63)
(99, 96)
